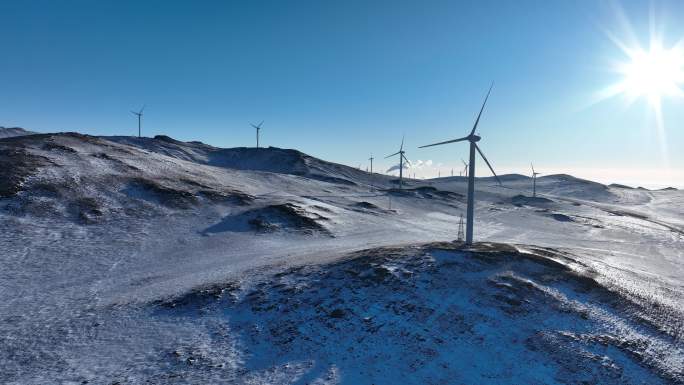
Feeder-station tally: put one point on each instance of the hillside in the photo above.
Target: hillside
(138, 260)
(8, 132)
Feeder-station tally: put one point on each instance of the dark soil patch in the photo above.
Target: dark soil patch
(621, 213)
(87, 210)
(428, 192)
(272, 218)
(16, 165)
(366, 205)
(520, 200)
(230, 196)
(150, 190)
(561, 217)
(52, 146)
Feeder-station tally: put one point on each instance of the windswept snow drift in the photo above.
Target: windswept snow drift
(107, 243)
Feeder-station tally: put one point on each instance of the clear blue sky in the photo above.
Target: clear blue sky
(343, 79)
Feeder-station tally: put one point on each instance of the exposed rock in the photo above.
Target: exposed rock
(16, 165)
(520, 200)
(150, 190)
(287, 217)
(561, 217)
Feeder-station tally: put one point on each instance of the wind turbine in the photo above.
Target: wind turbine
(534, 181)
(371, 171)
(473, 138)
(258, 127)
(465, 167)
(139, 114)
(402, 158)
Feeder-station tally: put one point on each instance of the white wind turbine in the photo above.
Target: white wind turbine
(258, 128)
(534, 180)
(139, 114)
(402, 158)
(473, 138)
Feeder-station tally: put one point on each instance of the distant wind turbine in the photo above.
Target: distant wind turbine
(473, 138)
(465, 167)
(534, 181)
(139, 114)
(258, 128)
(371, 170)
(402, 158)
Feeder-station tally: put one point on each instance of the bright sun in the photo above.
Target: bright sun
(651, 74)
(654, 73)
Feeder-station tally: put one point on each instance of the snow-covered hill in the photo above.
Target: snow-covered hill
(100, 234)
(8, 132)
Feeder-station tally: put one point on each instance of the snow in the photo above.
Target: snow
(83, 281)
(9, 132)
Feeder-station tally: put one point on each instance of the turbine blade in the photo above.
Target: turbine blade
(406, 159)
(489, 165)
(143, 108)
(402, 143)
(262, 122)
(445, 142)
(481, 109)
(531, 165)
(392, 154)
(464, 162)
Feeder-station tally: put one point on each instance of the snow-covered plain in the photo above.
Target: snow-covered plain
(148, 260)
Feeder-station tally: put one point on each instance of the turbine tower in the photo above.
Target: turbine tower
(534, 181)
(371, 171)
(139, 114)
(258, 128)
(473, 138)
(402, 158)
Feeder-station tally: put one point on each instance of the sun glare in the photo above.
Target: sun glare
(654, 73)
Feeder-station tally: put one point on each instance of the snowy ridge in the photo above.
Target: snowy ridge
(101, 234)
(272, 159)
(9, 132)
